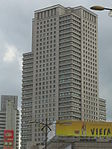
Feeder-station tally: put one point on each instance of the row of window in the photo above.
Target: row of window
(89, 23)
(90, 89)
(90, 80)
(45, 96)
(46, 14)
(47, 25)
(46, 47)
(43, 92)
(90, 84)
(90, 94)
(89, 16)
(46, 21)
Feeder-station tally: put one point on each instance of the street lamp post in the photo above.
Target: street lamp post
(101, 8)
(46, 127)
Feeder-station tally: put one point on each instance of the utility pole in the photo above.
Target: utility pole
(46, 127)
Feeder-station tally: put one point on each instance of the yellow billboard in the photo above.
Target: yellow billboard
(80, 128)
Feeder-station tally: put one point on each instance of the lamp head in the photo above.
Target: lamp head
(99, 8)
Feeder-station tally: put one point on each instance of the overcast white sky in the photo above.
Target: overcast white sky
(16, 34)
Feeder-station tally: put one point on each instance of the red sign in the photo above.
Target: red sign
(8, 147)
(8, 139)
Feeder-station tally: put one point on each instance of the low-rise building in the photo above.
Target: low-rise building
(2, 127)
(9, 118)
(79, 143)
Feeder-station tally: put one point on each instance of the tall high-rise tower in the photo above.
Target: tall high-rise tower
(64, 69)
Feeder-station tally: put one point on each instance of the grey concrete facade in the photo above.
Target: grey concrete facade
(27, 91)
(5, 98)
(102, 109)
(60, 75)
(9, 118)
(2, 128)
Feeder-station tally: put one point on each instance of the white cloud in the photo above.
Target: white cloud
(10, 54)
